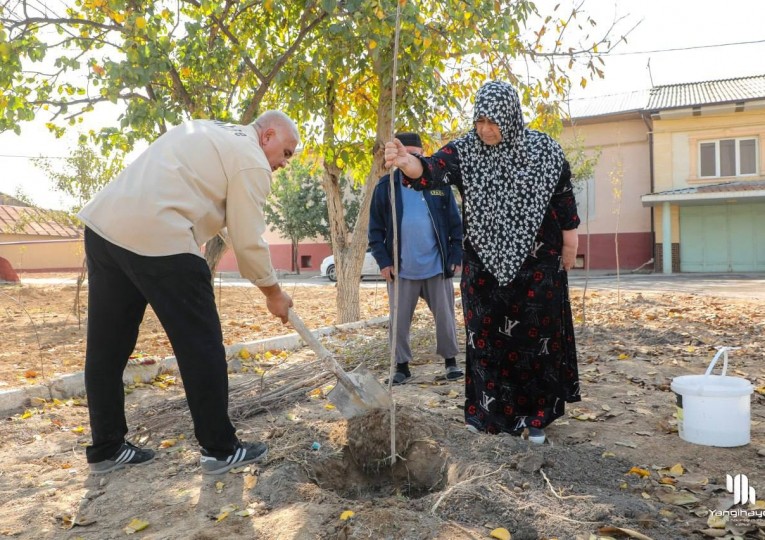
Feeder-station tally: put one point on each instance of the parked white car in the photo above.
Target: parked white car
(369, 269)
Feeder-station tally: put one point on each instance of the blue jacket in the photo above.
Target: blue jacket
(444, 215)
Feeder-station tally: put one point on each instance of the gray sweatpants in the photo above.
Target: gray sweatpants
(438, 292)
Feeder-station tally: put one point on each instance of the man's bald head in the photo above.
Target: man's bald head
(278, 136)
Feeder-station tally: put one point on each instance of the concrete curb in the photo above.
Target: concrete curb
(71, 385)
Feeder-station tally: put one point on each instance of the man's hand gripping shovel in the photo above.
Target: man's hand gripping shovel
(357, 392)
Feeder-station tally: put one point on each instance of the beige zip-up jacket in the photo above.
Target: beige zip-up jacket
(196, 179)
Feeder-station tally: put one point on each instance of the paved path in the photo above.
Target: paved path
(746, 286)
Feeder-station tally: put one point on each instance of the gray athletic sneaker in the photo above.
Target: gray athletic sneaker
(243, 454)
(128, 454)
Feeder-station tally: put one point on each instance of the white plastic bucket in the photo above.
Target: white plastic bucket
(713, 410)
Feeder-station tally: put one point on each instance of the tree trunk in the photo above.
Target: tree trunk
(295, 265)
(214, 251)
(348, 249)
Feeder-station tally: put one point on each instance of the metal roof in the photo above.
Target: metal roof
(673, 96)
(742, 190)
(33, 221)
(626, 102)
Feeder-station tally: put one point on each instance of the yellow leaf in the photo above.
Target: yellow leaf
(500, 533)
(219, 486)
(583, 83)
(760, 390)
(427, 42)
(372, 44)
(135, 526)
(140, 23)
(78, 429)
(27, 414)
(250, 481)
(638, 471)
(167, 443)
(315, 393)
(348, 514)
(329, 406)
(453, 394)
(623, 356)
(221, 516)
(244, 354)
(677, 469)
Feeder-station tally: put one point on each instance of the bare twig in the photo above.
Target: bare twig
(562, 497)
(458, 484)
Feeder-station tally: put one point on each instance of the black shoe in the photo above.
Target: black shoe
(453, 373)
(243, 454)
(128, 454)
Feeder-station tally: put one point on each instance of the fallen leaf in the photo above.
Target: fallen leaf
(716, 521)
(638, 471)
(221, 516)
(78, 429)
(453, 394)
(250, 481)
(244, 354)
(677, 469)
(680, 498)
(714, 533)
(348, 514)
(136, 525)
(500, 533)
(329, 406)
(245, 513)
(167, 443)
(219, 486)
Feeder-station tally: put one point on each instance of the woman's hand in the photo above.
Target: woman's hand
(570, 246)
(396, 155)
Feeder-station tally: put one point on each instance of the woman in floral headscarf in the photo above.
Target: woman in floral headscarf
(520, 221)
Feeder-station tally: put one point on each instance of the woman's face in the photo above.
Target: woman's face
(488, 131)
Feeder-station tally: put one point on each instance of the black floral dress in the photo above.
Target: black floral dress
(520, 351)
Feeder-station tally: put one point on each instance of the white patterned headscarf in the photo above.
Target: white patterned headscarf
(507, 186)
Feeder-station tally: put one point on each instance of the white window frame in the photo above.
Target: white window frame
(737, 147)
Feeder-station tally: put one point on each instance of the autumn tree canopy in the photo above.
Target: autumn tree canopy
(327, 63)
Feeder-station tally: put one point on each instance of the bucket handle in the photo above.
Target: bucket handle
(724, 352)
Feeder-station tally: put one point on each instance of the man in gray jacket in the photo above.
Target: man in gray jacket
(143, 238)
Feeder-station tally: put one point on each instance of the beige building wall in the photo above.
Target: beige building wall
(677, 141)
(622, 174)
(31, 253)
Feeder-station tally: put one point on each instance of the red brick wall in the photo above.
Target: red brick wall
(281, 257)
(634, 250)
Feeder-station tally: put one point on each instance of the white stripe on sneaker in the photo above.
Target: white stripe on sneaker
(126, 455)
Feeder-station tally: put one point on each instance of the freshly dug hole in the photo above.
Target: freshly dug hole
(369, 436)
(363, 469)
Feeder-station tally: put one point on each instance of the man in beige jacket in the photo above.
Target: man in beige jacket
(143, 238)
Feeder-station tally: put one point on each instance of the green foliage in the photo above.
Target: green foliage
(82, 174)
(297, 205)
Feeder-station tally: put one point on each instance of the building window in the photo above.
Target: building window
(305, 261)
(727, 157)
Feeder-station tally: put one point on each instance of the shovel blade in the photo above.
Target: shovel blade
(368, 394)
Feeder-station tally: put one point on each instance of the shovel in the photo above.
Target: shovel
(358, 392)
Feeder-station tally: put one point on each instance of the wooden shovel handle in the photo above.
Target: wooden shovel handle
(329, 360)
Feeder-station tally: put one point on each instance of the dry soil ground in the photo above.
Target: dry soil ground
(613, 467)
